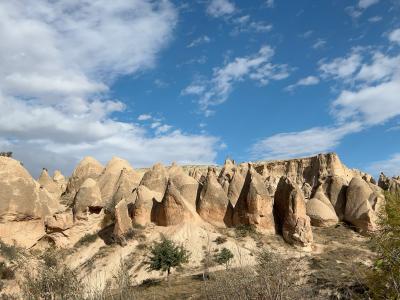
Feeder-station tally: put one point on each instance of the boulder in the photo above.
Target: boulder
(213, 205)
(88, 196)
(59, 179)
(123, 223)
(22, 233)
(235, 186)
(173, 209)
(254, 206)
(391, 185)
(290, 213)
(320, 210)
(362, 205)
(335, 189)
(87, 168)
(21, 197)
(156, 179)
(59, 222)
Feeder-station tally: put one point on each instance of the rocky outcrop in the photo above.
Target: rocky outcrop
(123, 223)
(391, 185)
(320, 210)
(173, 209)
(143, 205)
(235, 186)
(255, 206)
(187, 186)
(290, 213)
(59, 222)
(363, 203)
(59, 179)
(226, 174)
(21, 197)
(156, 179)
(49, 184)
(87, 168)
(22, 233)
(88, 196)
(127, 182)
(213, 205)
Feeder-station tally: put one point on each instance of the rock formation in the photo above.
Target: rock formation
(290, 213)
(88, 197)
(213, 205)
(59, 179)
(320, 210)
(173, 209)
(187, 186)
(156, 179)
(391, 185)
(123, 223)
(49, 184)
(143, 205)
(362, 204)
(254, 206)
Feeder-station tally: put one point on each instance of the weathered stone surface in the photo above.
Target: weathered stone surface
(21, 197)
(156, 179)
(123, 223)
(320, 210)
(127, 182)
(235, 186)
(88, 196)
(143, 205)
(87, 168)
(335, 189)
(59, 222)
(173, 209)
(362, 204)
(290, 212)
(60, 180)
(391, 185)
(187, 186)
(22, 233)
(213, 205)
(255, 206)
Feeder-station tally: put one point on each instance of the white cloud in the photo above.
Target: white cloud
(381, 68)
(270, 3)
(390, 166)
(244, 24)
(199, 41)
(366, 3)
(255, 67)
(320, 43)
(341, 68)
(394, 36)
(375, 19)
(219, 8)
(144, 117)
(306, 81)
(307, 142)
(163, 129)
(58, 60)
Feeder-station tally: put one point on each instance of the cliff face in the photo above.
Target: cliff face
(318, 192)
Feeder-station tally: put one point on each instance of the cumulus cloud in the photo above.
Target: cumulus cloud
(342, 67)
(59, 60)
(390, 166)
(144, 117)
(256, 67)
(302, 143)
(366, 3)
(219, 8)
(319, 44)
(199, 41)
(394, 36)
(306, 81)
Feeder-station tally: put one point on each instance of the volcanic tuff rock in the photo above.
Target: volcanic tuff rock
(187, 186)
(123, 223)
(290, 212)
(88, 196)
(156, 179)
(320, 210)
(362, 203)
(254, 206)
(59, 179)
(213, 205)
(389, 184)
(143, 205)
(49, 184)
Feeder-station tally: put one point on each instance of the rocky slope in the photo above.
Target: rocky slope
(284, 197)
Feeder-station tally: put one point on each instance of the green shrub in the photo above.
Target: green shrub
(10, 252)
(243, 231)
(6, 272)
(220, 240)
(224, 257)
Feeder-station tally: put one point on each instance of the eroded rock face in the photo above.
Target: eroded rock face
(127, 182)
(173, 209)
(335, 188)
(363, 202)
(87, 168)
(59, 222)
(123, 223)
(156, 179)
(22, 233)
(290, 213)
(59, 179)
(88, 196)
(320, 210)
(187, 186)
(21, 197)
(213, 205)
(48, 183)
(143, 205)
(391, 185)
(255, 206)
(235, 186)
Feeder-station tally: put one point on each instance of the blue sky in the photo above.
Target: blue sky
(197, 81)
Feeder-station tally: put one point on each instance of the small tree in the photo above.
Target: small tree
(224, 257)
(166, 255)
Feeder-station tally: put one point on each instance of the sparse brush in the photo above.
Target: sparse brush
(220, 240)
(86, 239)
(11, 252)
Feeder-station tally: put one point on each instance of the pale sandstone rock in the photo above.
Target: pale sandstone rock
(391, 185)
(362, 205)
(60, 180)
(255, 206)
(235, 186)
(143, 206)
(48, 183)
(173, 209)
(290, 210)
(156, 179)
(335, 189)
(320, 210)
(88, 196)
(59, 222)
(127, 182)
(22, 233)
(87, 168)
(187, 186)
(20, 195)
(213, 205)
(123, 223)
